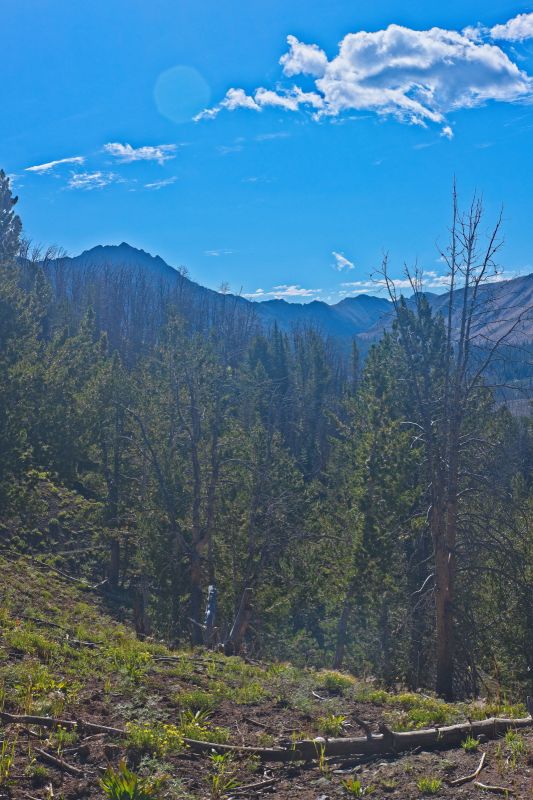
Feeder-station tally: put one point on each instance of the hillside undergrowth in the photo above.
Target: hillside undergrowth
(62, 655)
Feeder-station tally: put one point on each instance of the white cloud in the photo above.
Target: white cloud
(434, 280)
(303, 59)
(341, 262)
(515, 30)
(235, 98)
(447, 132)
(431, 280)
(475, 32)
(360, 287)
(91, 180)
(219, 252)
(160, 184)
(126, 153)
(42, 168)
(281, 292)
(288, 100)
(417, 77)
(375, 285)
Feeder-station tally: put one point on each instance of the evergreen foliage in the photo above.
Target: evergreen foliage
(239, 458)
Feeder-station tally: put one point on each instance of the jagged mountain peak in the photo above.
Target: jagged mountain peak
(362, 315)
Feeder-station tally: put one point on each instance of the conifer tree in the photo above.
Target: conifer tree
(10, 224)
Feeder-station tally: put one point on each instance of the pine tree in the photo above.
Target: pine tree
(10, 224)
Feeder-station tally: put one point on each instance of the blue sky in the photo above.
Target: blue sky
(298, 181)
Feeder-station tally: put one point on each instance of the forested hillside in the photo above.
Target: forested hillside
(257, 492)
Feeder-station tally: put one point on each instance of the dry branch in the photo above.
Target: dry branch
(319, 697)
(494, 789)
(51, 722)
(265, 753)
(364, 725)
(254, 787)
(43, 755)
(256, 722)
(472, 776)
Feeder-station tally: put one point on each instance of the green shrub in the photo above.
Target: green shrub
(354, 787)
(197, 700)
(429, 785)
(248, 694)
(516, 746)
(123, 784)
(426, 717)
(365, 694)
(335, 682)
(478, 711)
(153, 739)
(37, 773)
(470, 744)
(195, 726)
(7, 760)
(331, 724)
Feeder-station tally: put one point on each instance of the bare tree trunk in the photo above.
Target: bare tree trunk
(445, 644)
(114, 562)
(342, 625)
(140, 608)
(195, 604)
(342, 629)
(235, 639)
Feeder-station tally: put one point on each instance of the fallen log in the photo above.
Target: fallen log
(427, 738)
(311, 749)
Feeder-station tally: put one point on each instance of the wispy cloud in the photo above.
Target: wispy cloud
(49, 166)
(516, 29)
(125, 153)
(160, 184)
(224, 149)
(235, 147)
(91, 180)
(370, 286)
(341, 262)
(267, 137)
(431, 281)
(218, 252)
(289, 100)
(417, 77)
(256, 179)
(425, 145)
(377, 286)
(281, 292)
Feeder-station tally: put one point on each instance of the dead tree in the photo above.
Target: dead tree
(445, 362)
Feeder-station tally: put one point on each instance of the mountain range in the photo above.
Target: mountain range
(363, 316)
